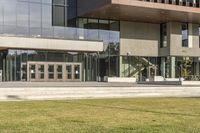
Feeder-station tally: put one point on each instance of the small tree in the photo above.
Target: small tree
(185, 67)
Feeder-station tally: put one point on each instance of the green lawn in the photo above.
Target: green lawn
(145, 115)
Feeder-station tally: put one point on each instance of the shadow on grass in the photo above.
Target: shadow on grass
(135, 110)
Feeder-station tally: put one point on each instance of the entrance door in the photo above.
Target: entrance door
(32, 72)
(41, 72)
(77, 72)
(69, 72)
(53, 71)
(59, 72)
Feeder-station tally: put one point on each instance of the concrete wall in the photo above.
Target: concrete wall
(50, 44)
(143, 39)
(139, 39)
(176, 48)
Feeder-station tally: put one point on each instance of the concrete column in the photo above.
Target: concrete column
(121, 67)
(197, 65)
(197, 68)
(173, 67)
(163, 66)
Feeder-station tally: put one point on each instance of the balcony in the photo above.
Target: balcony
(64, 33)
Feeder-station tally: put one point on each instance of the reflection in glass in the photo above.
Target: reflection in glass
(32, 71)
(76, 71)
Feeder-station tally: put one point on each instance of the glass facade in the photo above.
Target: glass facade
(146, 68)
(15, 64)
(109, 32)
(37, 18)
(57, 19)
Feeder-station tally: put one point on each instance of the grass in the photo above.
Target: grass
(146, 115)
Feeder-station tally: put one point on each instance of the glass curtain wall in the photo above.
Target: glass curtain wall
(14, 62)
(109, 33)
(40, 18)
(141, 68)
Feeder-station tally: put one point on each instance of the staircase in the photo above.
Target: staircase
(138, 66)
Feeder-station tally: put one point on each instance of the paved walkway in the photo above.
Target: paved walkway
(73, 84)
(78, 90)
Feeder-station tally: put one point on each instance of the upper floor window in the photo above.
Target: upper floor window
(59, 13)
(184, 31)
(199, 36)
(163, 35)
(64, 13)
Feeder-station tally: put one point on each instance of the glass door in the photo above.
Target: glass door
(59, 72)
(50, 71)
(77, 72)
(41, 72)
(32, 72)
(68, 72)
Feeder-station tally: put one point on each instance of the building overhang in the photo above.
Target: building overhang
(50, 44)
(135, 10)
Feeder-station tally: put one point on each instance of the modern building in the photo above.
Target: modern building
(89, 40)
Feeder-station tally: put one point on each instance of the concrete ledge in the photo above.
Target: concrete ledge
(50, 44)
(161, 83)
(197, 83)
(121, 80)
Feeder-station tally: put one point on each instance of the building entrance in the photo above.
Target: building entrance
(52, 71)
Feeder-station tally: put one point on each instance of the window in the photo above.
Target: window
(64, 13)
(163, 35)
(58, 16)
(199, 36)
(59, 2)
(184, 31)
(59, 13)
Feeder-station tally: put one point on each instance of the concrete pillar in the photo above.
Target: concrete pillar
(162, 66)
(197, 68)
(173, 67)
(120, 67)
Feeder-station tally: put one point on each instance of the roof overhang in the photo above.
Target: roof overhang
(134, 10)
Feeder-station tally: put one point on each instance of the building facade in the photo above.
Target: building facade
(76, 40)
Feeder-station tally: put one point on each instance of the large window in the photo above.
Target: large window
(59, 13)
(199, 36)
(163, 37)
(64, 13)
(184, 30)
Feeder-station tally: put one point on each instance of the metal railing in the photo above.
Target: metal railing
(60, 33)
